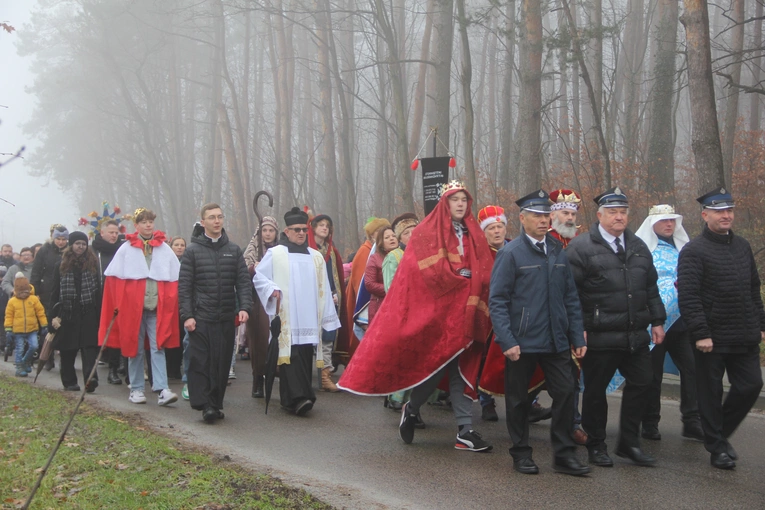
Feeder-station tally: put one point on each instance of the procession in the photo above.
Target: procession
(444, 308)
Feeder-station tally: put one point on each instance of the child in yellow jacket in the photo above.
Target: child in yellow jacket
(24, 316)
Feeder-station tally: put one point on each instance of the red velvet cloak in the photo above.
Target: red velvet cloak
(431, 314)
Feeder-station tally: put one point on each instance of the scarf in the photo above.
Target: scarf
(76, 284)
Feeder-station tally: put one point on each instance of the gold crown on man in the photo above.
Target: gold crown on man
(454, 184)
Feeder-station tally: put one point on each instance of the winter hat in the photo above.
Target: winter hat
(491, 214)
(316, 219)
(403, 222)
(373, 225)
(271, 221)
(296, 217)
(21, 286)
(77, 236)
(3, 270)
(60, 231)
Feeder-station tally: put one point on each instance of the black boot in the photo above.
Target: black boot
(257, 387)
(114, 377)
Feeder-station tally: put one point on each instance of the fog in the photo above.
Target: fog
(169, 104)
(37, 202)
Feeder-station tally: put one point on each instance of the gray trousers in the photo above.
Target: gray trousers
(462, 406)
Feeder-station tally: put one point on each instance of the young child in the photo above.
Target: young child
(24, 316)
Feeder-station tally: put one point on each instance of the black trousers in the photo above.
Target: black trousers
(112, 356)
(68, 372)
(211, 346)
(678, 346)
(174, 362)
(560, 385)
(720, 419)
(599, 367)
(295, 378)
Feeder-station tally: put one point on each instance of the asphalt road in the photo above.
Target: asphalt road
(347, 452)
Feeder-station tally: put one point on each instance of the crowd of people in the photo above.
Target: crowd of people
(444, 310)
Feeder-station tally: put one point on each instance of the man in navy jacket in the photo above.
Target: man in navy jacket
(537, 318)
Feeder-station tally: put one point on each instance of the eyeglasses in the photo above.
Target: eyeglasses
(299, 230)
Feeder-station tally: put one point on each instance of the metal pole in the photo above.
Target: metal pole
(435, 138)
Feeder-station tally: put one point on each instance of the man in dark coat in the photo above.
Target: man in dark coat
(617, 285)
(213, 289)
(537, 318)
(45, 264)
(720, 302)
(105, 245)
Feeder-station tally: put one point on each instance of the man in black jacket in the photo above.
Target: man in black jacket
(106, 243)
(617, 285)
(45, 264)
(537, 318)
(213, 289)
(719, 295)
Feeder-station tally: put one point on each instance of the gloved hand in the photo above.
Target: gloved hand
(43, 332)
(8, 336)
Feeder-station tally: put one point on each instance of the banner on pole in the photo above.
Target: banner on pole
(435, 173)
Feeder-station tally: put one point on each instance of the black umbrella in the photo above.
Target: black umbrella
(272, 357)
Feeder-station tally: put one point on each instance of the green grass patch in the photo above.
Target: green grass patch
(109, 460)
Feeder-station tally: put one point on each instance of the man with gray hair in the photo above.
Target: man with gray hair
(617, 285)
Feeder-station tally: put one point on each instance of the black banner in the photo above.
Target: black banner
(435, 173)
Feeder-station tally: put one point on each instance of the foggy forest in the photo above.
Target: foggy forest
(169, 104)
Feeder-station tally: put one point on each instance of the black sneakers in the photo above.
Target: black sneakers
(407, 425)
(471, 441)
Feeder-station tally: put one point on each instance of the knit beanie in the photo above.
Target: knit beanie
(77, 236)
(21, 286)
(60, 231)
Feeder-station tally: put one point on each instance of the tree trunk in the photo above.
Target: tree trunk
(754, 99)
(443, 36)
(329, 186)
(467, 99)
(419, 94)
(661, 146)
(706, 134)
(731, 108)
(506, 124)
(530, 107)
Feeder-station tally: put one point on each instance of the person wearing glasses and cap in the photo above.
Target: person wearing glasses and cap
(719, 293)
(292, 282)
(617, 284)
(663, 233)
(537, 319)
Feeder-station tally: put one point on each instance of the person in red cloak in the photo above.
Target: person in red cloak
(438, 302)
(320, 239)
(142, 283)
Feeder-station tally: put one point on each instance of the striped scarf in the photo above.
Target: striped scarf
(87, 295)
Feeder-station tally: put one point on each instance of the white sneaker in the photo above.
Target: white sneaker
(137, 397)
(231, 374)
(166, 397)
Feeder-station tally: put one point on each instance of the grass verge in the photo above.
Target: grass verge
(111, 461)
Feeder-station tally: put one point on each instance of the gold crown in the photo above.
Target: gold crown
(572, 198)
(661, 209)
(451, 185)
(138, 211)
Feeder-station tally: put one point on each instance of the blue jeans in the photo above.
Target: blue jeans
(184, 379)
(29, 338)
(157, 356)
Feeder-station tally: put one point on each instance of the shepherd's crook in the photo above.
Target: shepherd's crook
(71, 417)
(260, 218)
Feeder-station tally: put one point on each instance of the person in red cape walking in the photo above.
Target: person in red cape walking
(142, 282)
(438, 301)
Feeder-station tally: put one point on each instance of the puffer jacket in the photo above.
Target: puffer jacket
(43, 268)
(25, 315)
(619, 299)
(214, 284)
(719, 290)
(533, 299)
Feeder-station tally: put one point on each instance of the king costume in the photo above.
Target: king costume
(305, 308)
(438, 302)
(142, 282)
